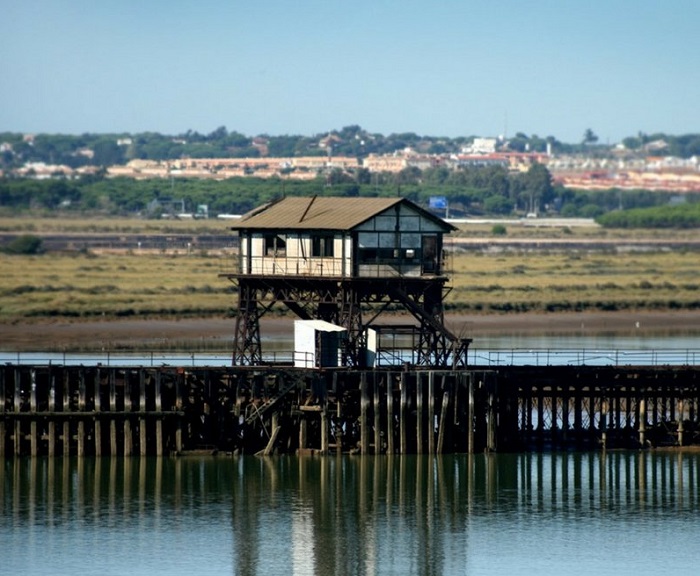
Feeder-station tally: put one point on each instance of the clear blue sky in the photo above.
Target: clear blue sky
(439, 68)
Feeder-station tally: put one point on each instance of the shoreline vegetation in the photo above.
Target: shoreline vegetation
(117, 298)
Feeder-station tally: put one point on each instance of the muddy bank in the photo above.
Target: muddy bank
(217, 333)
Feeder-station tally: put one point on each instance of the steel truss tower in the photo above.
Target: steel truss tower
(353, 303)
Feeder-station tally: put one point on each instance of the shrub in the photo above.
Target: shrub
(499, 230)
(25, 244)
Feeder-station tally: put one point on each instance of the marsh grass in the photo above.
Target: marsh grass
(86, 285)
(533, 281)
(81, 285)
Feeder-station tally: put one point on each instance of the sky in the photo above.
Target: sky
(305, 67)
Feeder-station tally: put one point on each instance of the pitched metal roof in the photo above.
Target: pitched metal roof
(321, 213)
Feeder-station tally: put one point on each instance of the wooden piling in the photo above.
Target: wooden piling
(431, 412)
(159, 418)
(141, 407)
(51, 425)
(470, 416)
(444, 418)
(364, 421)
(179, 381)
(325, 432)
(419, 413)
(128, 434)
(578, 416)
(403, 414)
(98, 413)
(33, 440)
(82, 392)
(112, 407)
(604, 422)
(303, 434)
(18, 409)
(642, 421)
(269, 449)
(2, 414)
(376, 409)
(492, 418)
(390, 449)
(65, 397)
(338, 387)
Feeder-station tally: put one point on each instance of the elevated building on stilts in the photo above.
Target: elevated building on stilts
(346, 261)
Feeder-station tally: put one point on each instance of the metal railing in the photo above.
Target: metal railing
(475, 357)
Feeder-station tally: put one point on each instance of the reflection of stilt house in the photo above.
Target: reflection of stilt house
(344, 261)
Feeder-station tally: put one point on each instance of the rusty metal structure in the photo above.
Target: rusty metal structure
(345, 261)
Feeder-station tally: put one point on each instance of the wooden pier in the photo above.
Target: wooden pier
(59, 410)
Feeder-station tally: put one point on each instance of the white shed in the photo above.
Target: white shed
(317, 343)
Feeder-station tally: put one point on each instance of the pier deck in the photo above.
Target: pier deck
(58, 410)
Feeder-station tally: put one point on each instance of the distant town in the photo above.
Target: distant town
(640, 162)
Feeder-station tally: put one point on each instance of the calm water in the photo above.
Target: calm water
(589, 514)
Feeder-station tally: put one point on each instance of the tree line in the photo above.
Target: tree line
(487, 191)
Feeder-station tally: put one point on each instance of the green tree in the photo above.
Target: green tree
(589, 137)
(107, 153)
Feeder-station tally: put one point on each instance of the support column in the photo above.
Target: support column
(66, 408)
(604, 407)
(51, 451)
(403, 412)
(419, 413)
(325, 432)
(112, 407)
(642, 421)
(492, 430)
(33, 440)
(128, 434)
(17, 410)
(431, 412)
(377, 415)
(98, 414)
(159, 418)
(338, 387)
(444, 418)
(2, 414)
(681, 417)
(179, 384)
(303, 439)
(364, 408)
(143, 426)
(81, 408)
(390, 449)
(565, 413)
(246, 345)
(470, 416)
(578, 414)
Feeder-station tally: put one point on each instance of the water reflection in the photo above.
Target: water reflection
(516, 514)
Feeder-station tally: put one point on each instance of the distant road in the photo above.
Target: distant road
(78, 242)
(619, 244)
(188, 242)
(529, 222)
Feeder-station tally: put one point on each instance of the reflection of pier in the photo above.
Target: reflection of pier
(79, 410)
(356, 515)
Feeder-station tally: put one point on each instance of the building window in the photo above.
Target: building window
(322, 246)
(275, 245)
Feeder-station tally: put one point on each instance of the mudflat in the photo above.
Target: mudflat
(116, 334)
